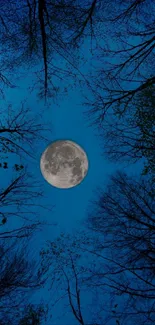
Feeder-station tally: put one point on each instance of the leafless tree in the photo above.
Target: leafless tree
(20, 196)
(21, 206)
(126, 58)
(19, 279)
(67, 265)
(4, 82)
(34, 315)
(124, 216)
(20, 199)
(42, 30)
(132, 136)
(20, 130)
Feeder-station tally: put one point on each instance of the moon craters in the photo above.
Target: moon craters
(64, 164)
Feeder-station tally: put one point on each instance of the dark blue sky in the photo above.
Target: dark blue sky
(66, 121)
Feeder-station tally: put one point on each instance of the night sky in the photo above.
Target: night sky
(70, 206)
(66, 119)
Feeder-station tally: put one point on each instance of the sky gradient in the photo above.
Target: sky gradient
(67, 121)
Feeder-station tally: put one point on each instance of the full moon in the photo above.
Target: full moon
(64, 164)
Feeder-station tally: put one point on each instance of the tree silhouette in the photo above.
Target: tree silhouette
(40, 30)
(132, 136)
(127, 57)
(19, 279)
(19, 130)
(34, 315)
(20, 197)
(68, 264)
(124, 219)
(113, 261)
(18, 200)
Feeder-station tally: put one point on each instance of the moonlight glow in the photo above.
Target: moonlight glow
(64, 164)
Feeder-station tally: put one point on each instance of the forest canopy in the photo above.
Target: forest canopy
(105, 274)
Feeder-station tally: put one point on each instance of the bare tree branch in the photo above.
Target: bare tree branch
(124, 215)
